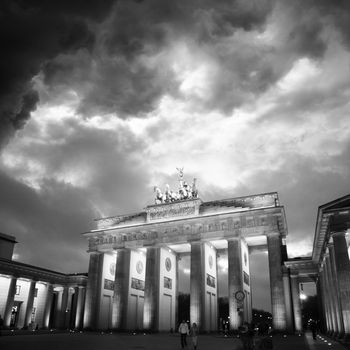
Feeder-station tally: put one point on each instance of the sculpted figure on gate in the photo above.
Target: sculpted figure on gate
(185, 191)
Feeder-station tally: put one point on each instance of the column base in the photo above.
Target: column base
(345, 338)
(340, 335)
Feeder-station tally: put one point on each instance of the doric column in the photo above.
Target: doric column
(151, 304)
(30, 301)
(197, 284)
(276, 282)
(336, 291)
(69, 309)
(298, 324)
(177, 321)
(73, 311)
(80, 307)
(48, 303)
(9, 301)
(64, 305)
(329, 295)
(93, 290)
(235, 282)
(342, 265)
(320, 304)
(288, 299)
(325, 298)
(332, 297)
(121, 288)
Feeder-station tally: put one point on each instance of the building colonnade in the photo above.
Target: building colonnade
(334, 286)
(31, 304)
(203, 287)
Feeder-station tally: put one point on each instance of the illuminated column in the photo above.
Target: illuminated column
(197, 284)
(331, 329)
(332, 297)
(287, 298)
(58, 308)
(177, 321)
(9, 301)
(342, 265)
(63, 308)
(93, 290)
(151, 304)
(80, 307)
(48, 302)
(320, 302)
(121, 289)
(325, 298)
(73, 312)
(276, 281)
(235, 281)
(296, 302)
(336, 290)
(30, 301)
(69, 309)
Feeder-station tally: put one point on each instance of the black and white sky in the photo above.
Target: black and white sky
(102, 100)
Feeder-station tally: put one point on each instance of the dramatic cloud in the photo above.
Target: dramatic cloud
(108, 98)
(31, 33)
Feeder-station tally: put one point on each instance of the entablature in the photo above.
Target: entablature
(20, 270)
(215, 226)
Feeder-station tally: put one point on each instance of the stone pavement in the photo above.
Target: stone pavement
(322, 342)
(106, 341)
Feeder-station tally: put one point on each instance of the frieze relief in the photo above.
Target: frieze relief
(179, 209)
(167, 233)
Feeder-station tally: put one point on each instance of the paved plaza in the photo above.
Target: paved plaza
(99, 341)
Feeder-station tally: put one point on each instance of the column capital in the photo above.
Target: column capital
(294, 274)
(330, 244)
(285, 270)
(196, 243)
(117, 250)
(339, 233)
(272, 234)
(237, 238)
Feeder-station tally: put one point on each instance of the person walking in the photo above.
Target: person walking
(313, 328)
(183, 330)
(194, 335)
(246, 335)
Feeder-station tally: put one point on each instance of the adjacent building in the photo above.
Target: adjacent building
(32, 297)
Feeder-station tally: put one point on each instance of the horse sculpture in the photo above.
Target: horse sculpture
(186, 191)
(159, 196)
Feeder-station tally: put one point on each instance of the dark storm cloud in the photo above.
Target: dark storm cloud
(87, 176)
(338, 12)
(106, 163)
(48, 222)
(131, 66)
(125, 68)
(130, 69)
(31, 33)
(303, 183)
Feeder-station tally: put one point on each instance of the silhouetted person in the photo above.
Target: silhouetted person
(183, 330)
(246, 333)
(313, 328)
(194, 335)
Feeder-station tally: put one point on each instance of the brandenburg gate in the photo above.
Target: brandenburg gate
(133, 269)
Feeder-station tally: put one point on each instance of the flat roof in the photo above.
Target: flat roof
(8, 237)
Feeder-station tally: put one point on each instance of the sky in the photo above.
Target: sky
(102, 100)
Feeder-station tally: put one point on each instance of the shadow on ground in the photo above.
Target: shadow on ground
(106, 341)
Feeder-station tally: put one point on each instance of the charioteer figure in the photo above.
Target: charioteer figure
(185, 191)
